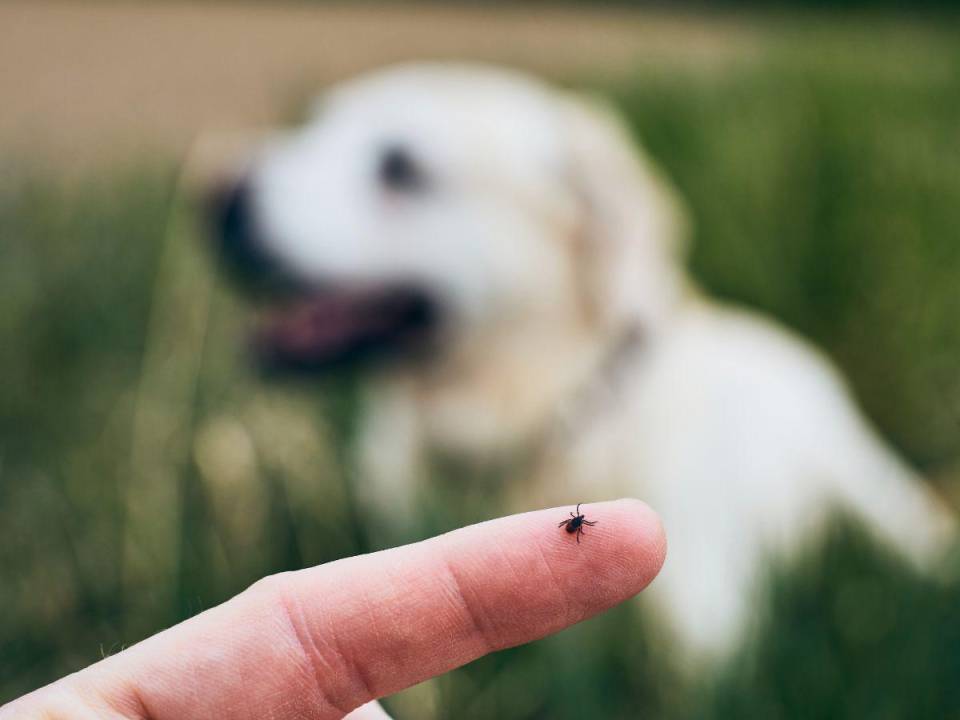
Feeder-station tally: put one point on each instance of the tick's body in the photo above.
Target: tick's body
(576, 522)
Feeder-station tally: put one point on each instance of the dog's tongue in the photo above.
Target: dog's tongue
(343, 326)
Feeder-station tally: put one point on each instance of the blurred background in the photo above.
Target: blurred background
(148, 473)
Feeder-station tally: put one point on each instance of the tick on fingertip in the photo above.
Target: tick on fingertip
(576, 522)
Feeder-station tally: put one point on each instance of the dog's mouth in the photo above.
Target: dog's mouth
(333, 328)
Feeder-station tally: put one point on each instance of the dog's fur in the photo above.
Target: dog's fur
(568, 329)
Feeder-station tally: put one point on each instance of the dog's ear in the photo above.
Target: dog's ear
(632, 229)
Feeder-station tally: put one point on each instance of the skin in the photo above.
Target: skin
(321, 642)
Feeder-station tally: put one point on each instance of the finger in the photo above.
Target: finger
(320, 642)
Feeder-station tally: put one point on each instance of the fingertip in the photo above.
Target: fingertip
(650, 539)
(636, 538)
(617, 557)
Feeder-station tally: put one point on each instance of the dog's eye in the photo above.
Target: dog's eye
(398, 170)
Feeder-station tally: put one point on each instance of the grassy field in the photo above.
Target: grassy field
(146, 473)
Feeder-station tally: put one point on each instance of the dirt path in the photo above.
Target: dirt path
(104, 80)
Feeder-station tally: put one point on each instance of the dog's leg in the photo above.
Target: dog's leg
(895, 501)
(390, 464)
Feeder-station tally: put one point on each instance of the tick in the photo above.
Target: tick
(576, 522)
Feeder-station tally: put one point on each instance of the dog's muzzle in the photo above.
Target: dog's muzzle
(314, 326)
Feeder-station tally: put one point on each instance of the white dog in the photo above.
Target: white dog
(527, 260)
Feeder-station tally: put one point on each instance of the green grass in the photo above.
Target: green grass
(146, 473)
(829, 195)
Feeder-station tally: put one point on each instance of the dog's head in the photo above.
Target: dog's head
(425, 204)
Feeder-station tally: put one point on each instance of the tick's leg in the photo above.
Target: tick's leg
(579, 533)
(562, 523)
(578, 508)
(590, 522)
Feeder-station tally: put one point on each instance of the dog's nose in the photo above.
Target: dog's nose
(239, 240)
(233, 224)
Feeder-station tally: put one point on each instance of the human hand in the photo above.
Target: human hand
(321, 642)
